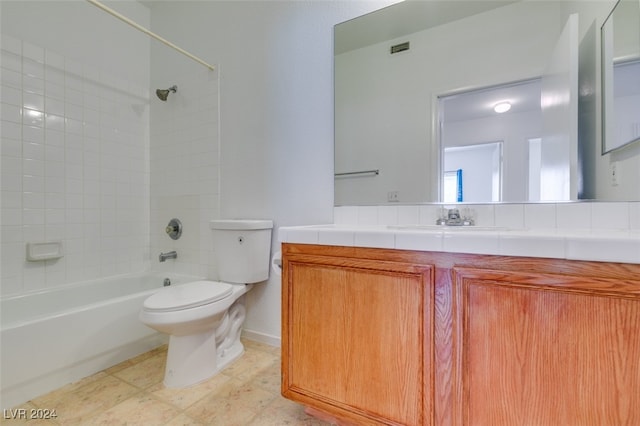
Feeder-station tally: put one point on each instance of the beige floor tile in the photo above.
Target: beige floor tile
(145, 373)
(252, 363)
(76, 406)
(184, 420)
(235, 403)
(245, 393)
(142, 410)
(185, 397)
(51, 399)
(283, 412)
(269, 378)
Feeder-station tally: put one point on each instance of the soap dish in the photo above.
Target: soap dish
(44, 251)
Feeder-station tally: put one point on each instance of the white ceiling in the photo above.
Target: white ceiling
(405, 18)
(524, 96)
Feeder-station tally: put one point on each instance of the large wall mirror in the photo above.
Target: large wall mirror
(416, 87)
(621, 76)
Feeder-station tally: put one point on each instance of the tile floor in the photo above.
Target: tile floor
(131, 393)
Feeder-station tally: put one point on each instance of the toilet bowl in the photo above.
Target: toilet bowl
(199, 317)
(204, 318)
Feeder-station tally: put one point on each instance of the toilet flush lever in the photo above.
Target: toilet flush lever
(174, 229)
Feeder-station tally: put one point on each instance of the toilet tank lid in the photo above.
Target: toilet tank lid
(241, 224)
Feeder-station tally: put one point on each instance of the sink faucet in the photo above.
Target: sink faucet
(453, 218)
(168, 255)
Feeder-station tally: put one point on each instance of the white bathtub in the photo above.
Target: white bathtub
(58, 336)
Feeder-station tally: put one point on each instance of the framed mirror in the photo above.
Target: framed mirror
(621, 76)
(394, 66)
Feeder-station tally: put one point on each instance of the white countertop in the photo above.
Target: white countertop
(592, 244)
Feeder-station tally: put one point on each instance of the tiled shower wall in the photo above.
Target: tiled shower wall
(184, 165)
(75, 168)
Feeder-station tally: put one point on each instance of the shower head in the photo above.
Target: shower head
(163, 94)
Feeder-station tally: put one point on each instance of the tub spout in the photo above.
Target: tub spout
(168, 255)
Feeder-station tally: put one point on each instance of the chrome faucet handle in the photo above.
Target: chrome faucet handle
(174, 229)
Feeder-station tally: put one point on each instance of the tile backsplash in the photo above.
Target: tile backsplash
(583, 216)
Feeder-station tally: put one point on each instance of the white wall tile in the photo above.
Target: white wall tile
(10, 112)
(184, 169)
(540, 216)
(11, 96)
(634, 215)
(573, 215)
(610, 215)
(33, 134)
(408, 215)
(33, 83)
(375, 239)
(34, 101)
(33, 200)
(368, 215)
(388, 215)
(10, 62)
(10, 130)
(52, 178)
(509, 215)
(11, 199)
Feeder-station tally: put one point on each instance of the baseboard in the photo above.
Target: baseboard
(267, 339)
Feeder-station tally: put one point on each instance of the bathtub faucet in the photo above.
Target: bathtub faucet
(168, 255)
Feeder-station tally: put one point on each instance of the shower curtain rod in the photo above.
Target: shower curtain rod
(149, 33)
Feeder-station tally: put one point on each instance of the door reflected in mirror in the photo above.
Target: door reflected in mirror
(473, 173)
(470, 123)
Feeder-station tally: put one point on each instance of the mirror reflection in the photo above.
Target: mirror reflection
(486, 138)
(621, 75)
(392, 89)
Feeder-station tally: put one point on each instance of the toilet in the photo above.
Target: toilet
(204, 318)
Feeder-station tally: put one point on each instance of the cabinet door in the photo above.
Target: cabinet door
(536, 349)
(356, 338)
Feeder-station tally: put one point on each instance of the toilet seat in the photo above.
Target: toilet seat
(186, 296)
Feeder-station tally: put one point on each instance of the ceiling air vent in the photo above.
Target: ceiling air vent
(400, 47)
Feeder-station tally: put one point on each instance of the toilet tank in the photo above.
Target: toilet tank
(241, 249)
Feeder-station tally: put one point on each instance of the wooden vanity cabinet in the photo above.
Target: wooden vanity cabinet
(376, 336)
(358, 337)
(536, 348)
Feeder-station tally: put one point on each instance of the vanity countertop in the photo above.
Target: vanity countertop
(595, 245)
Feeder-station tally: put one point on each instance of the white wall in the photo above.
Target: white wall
(74, 142)
(275, 62)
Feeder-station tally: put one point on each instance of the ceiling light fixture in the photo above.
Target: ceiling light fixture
(502, 107)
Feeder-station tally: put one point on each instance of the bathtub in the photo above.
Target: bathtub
(58, 336)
